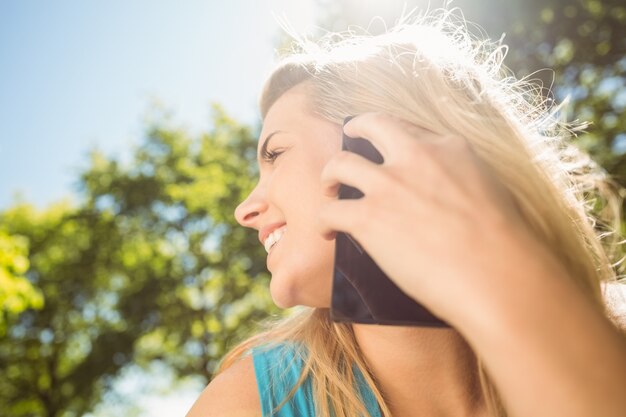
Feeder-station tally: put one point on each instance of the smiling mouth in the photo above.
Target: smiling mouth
(274, 237)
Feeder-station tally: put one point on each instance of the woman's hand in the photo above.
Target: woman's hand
(433, 216)
(444, 229)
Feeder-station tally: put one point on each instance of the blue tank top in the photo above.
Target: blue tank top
(281, 366)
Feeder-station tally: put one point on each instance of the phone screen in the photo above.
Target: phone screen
(362, 292)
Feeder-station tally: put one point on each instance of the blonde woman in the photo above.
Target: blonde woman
(479, 212)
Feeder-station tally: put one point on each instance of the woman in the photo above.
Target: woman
(478, 213)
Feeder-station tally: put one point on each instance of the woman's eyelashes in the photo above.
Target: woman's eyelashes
(271, 155)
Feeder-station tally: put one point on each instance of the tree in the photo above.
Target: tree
(16, 292)
(55, 360)
(180, 195)
(151, 265)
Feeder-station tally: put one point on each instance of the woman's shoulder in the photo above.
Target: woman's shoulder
(233, 392)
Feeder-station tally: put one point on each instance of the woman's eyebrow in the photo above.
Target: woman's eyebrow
(265, 144)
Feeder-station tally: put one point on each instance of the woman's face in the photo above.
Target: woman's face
(288, 193)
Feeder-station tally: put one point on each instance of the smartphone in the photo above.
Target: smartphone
(361, 291)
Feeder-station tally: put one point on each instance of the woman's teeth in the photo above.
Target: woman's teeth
(274, 237)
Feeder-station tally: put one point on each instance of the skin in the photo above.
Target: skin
(292, 190)
(538, 352)
(514, 324)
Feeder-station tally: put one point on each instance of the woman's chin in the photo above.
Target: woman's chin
(282, 294)
(290, 294)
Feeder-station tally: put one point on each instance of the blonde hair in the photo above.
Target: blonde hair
(432, 72)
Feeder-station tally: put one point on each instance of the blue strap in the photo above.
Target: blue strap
(277, 371)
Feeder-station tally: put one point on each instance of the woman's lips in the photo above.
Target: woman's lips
(274, 238)
(272, 250)
(265, 231)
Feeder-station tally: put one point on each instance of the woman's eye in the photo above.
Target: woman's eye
(270, 156)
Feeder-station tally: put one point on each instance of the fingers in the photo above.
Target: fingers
(389, 134)
(339, 216)
(351, 169)
(356, 171)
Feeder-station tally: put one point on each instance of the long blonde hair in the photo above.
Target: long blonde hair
(431, 71)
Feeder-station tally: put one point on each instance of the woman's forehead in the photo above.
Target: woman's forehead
(289, 112)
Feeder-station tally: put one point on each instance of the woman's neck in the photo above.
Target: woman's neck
(422, 371)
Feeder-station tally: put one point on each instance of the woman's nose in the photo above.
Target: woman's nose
(248, 211)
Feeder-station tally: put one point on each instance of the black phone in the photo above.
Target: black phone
(362, 292)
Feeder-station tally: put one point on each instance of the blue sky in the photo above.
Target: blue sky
(74, 75)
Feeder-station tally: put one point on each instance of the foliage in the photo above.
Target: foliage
(61, 357)
(16, 292)
(177, 200)
(150, 266)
